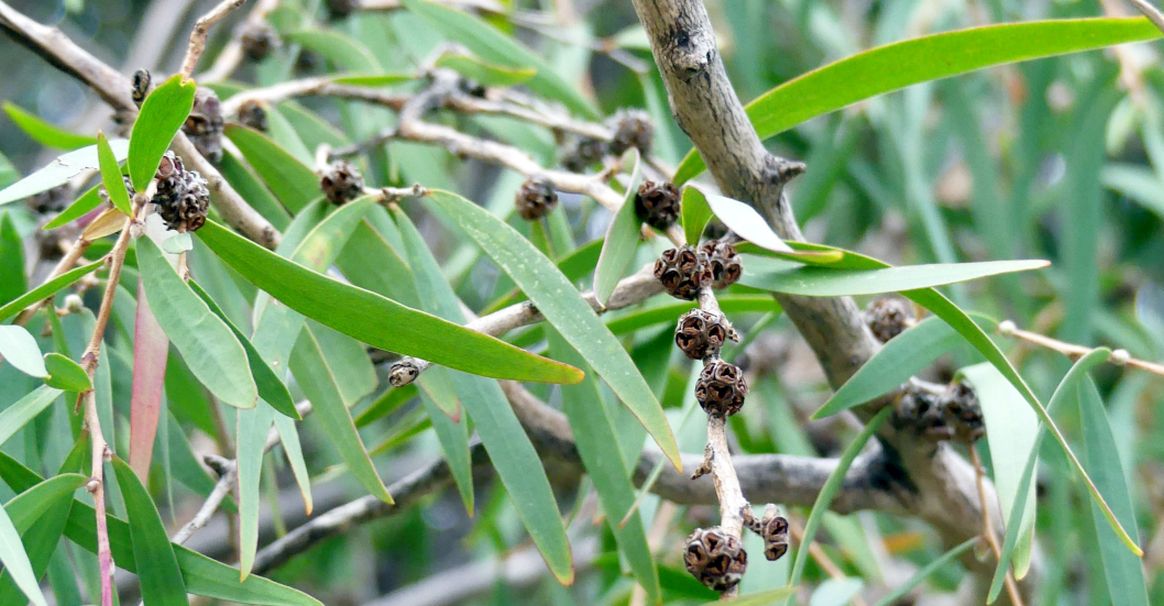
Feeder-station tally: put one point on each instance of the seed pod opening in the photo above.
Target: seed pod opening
(341, 182)
(258, 40)
(657, 204)
(721, 389)
(205, 124)
(715, 558)
(535, 198)
(584, 153)
(632, 128)
(962, 411)
(683, 271)
(887, 317)
(403, 373)
(253, 113)
(181, 196)
(724, 262)
(700, 334)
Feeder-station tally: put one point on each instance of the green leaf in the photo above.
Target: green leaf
(696, 214)
(111, 176)
(292, 182)
(565, 309)
(39, 515)
(207, 345)
(252, 426)
(19, 348)
(1011, 430)
(764, 598)
(1124, 571)
(15, 560)
(59, 171)
(622, 238)
(496, 47)
(83, 204)
(43, 131)
(317, 378)
(387, 403)
(376, 320)
(251, 188)
(162, 113)
(202, 575)
(372, 80)
(574, 265)
(271, 388)
(27, 507)
(743, 220)
(12, 278)
(598, 446)
(777, 276)
(161, 580)
(484, 73)
(926, 572)
(66, 374)
(829, 490)
(47, 289)
(342, 51)
(893, 66)
(892, 365)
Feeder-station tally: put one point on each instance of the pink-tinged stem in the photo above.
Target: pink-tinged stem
(96, 486)
(150, 347)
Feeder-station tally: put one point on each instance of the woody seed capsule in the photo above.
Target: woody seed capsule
(683, 271)
(700, 334)
(724, 263)
(715, 558)
(721, 389)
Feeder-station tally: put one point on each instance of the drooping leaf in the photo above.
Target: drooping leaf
(344, 52)
(59, 171)
(19, 348)
(900, 358)
(893, 66)
(271, 388)
(743, 220)
(622, 238)
(696, 214)
(151, 350)
(485, 73)
(376, 320)
(162, 113)
(207, 345)
(248, 185)
(782, 277)
(81, 206)
(565, 309)
(292, 182)
(251, 436)
(111, 176)
(496, 47)
(12, 278)
(66, 374)
(47, 289)
(202, 575)
(161, 580)
(43, 131)
(106, 223)
(15, 560)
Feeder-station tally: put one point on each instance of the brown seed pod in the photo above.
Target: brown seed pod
(683, 271)
(341, 182)
(205, 124)
(715, 558)
(258, 40)
(724, 263)
(181, 197)
(632, 128)
(887, 317)
(403, 372)
(924, 413)
(721, 389)
(583, 154)
(253, 113)
(141, 86)
(773, 528)
(657, 204)
(700, 333)
(962, 411)
(535, 198)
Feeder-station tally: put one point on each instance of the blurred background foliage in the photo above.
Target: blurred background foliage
(1060, 159)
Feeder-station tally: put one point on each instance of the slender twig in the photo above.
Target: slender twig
(67, 262)
(201, 30)
(988, 527)
(1151, 12)
(231, 55)
(227, 470)
(1119, 357)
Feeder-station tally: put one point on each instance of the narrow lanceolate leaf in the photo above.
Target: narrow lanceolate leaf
(900, 64)
(622, 238)
(292, 182)
(15, 560)
(46, 290)
(696, 214)
(343, 51)
(829, 490)
(207, 345)
(271, 388)
(59, 171)
(780, 277)
(1011, 432)
(764, 598)
(202, 575)
(377, 320)
(44, 132)
(161, 580)
(926, 572)
(744, 220)
(39, 514)
(111, 176)
(598, 446)
(27, 507)
(892, 365)
(82, 205)
(12, 278)
(251, 436)
(499, 48)
(487, 74)
(150, 352)
(66, 374)
(19, 348)
(565, 309)
(107, 222)
(317, 378)
(1124, 571)
(16, 416)
(162, 114)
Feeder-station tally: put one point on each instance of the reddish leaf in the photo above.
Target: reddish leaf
(150, 347)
